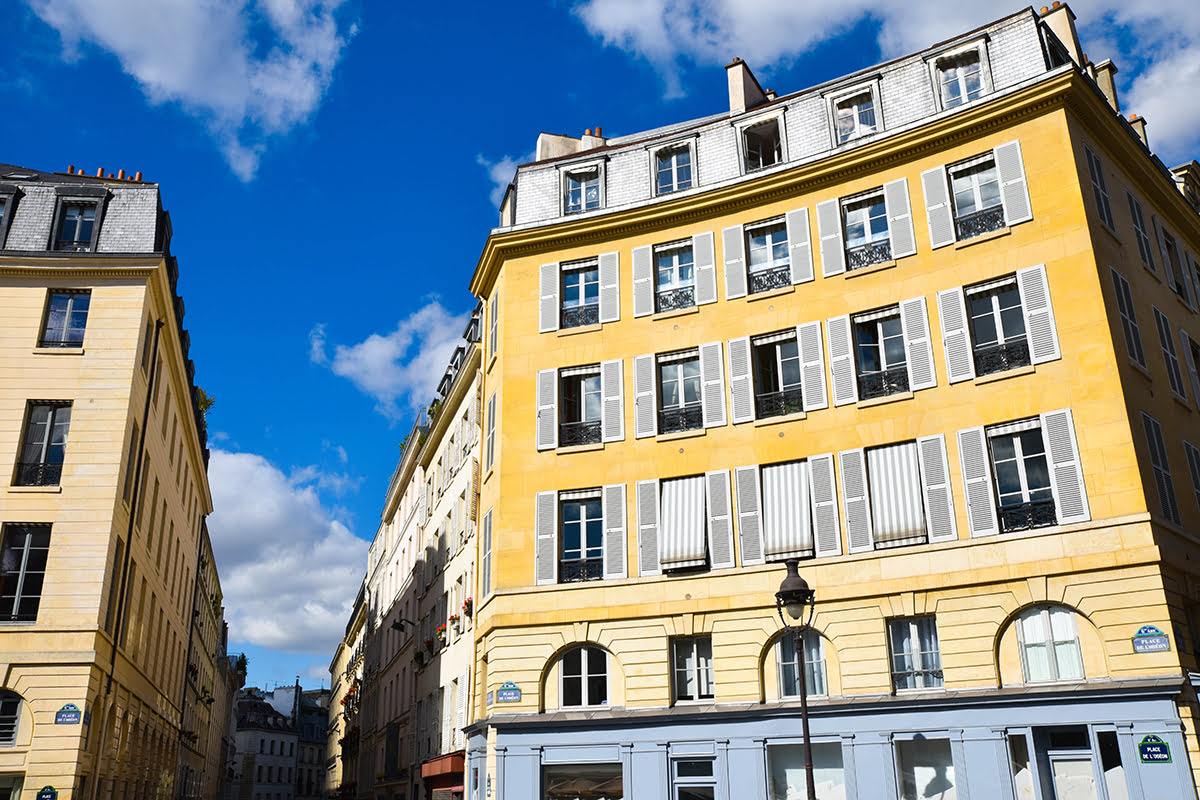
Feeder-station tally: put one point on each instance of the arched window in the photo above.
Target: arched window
(1049, 643)
(584, 677)
(10, 709)
(789, 667)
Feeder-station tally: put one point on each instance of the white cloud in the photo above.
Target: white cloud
(289, 569)
(249, 70)
(316, 344)
(500, 173)
(339, 483)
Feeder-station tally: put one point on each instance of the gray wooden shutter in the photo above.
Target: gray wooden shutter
(1039, 314)
(733, 240)
(741, 383)
(705, 259)
(610, 287)
(956, 336)
(1014, 193)
(852, 464)
(749, 510)
(548, 294)
(914, 319)
(612, 396)
(977, 482)
(829, 229)
(799, 245)
(935, 485)
(614, 531)
(546, 533)
(812, 366)
(1066, 473)
(647, 506)
(841, 360)
(1193, 367)
(547, 409)
(644, 412)
(643, 281)
(1162, 248)
(823, 492)
(712, 385)
(899, 215)
(720, 524)
(938, 211)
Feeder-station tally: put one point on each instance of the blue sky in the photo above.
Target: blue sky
(332, 166)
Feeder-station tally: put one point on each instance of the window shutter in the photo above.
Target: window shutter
(720, 526)
(1193, 367)
(547, 409)
(829, 229)
(956, 337)
(485, 577)
(1194, 268)
(548, 305)
(853, 467)
(899, 214)
(799, 245)
(546, 551)
(741, 384)
(1162, 248)
(610, 284)
(474, 489)
(977, 482)
(705, 259)
(460, 712)
(1066, 474)
(712, 383)
(935, 484)
(749, 510)
(647, 504)
(1013, 191)
(938, 211)
(812, 366)
(826, 533)
(1039, 314)
(644, 416)
(643, 281)
(914, 319)
(612, 414)
(841, 360)
(734, 243)
(614, 530)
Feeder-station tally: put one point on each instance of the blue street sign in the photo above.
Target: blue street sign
(1153, 750)
(508, 692)
(68, 715)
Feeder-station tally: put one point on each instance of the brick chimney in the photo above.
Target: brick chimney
(745, 92)
(1061, 20)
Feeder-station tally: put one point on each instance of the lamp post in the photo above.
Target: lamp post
(799, 600)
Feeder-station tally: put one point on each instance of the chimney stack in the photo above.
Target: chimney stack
(137, 177)
(1105, 71)
(100, 172)
(745, 92)
(1061, 20)
(1139, 125)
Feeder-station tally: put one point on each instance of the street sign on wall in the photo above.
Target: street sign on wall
(1149, 639)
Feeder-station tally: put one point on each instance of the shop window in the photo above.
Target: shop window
(785, 771)
(693, 779)
(575, 781)
(926, 769)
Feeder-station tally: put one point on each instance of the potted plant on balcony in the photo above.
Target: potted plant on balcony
(456, 621)
(442, 633)
(468, 606)
(429, 645)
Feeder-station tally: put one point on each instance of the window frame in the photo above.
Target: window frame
(703, 673)
(836, 98)
(85, 196)
(935, 60)
(29, 530)
(1140, 232)
(584, 676)
(878, 317)
(682, 407)
(65, 343)
(592, 567)
(583, 268)
(46, 445)
(1014, 429)
(490, 436)
(817, 684)
(776, 273)
(993, 288)
(677, 286)
(922, 674)
(869, 199)
(1044, 610)
(791, 394)
(569, 172)
(687, 144)
(1099, 188)
(977, 196)
(743, 127)
(9, 194)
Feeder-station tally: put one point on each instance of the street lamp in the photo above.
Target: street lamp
(799, 600)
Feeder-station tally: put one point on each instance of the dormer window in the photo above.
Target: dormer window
(854, 115)
(673, 169)
(582, 190)
(762, 144)
(76, 224)
(8, 196)
(960, 76)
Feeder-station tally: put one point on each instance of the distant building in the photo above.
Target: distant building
(313, 744)
(266, 745)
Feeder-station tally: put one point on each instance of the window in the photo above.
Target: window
(584, 677)
(960, 77)
(580, 295)
(1193, 459)
(1170, 357)
(66, 318)
(680, 408)
(1162, 468)
(864, 219)
(676, 276)
(582, 190)
(23, 551)
(581, 557)
(44, 445)
(1133, 336)
(916, 660)
(574, 781)
(854, 115)
(485, 567)
(1175, 276)
(975, 190)
(490, 449)
(895, 491)
(997, 326)
(693, 779)
(926, 768)
(762, 145)
(789, 665)
(1099, 189)
(1023, 491)
(768, 259)
(785, 770)
(673, 169)
(1139, 229)
(6, 208)
(76, 227)
(1049, 644)
(579, 423)
(879, 348)
(777, 388)
(494, 324)
(692, 656)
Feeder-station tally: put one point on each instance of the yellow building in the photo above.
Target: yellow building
(930, 328)
(102, 449)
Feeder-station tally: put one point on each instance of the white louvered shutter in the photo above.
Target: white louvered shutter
(643, 397)
(485, 571)
(914, 320)
(460, 712)
(647, 508)
(956, 336)
(548, 297)
(852, 464)
(812, 366)
(749, 514)
(977, 482)
(841, 360)
(473, 495)
(1193, 367)
(610, 287)
(938, 211)
(1066, 473)
(546, 532)
(741, 383)
(547, 409)
(899, 215)
(614, 530)
(799, 245)
(1014, 192)
(1039, 314)
(612, 395)
(935, 485)
(712, 385)
(734, 243)
(720, 522)
(643, 281)
(827, 533)
(829, 230)
(704, 257)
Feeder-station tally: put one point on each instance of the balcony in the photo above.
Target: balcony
(38, 473)
(576, 570)
(1024, 516)
(572, 434)
(764, 280)
(72, 338)
(979, 223)
(578, 316)
(883, 383)
(867, 255)
(1002, 357)
(675, 299)
(776, 404)
(680, 418)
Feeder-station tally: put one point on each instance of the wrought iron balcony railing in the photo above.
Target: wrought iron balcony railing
(38, 473)
(673, 299)
(917, 678)
(764, 280)
(867, 254)
(1001, 357)
(574, 570)
(981, 222)
(578, 316)
(776, 404)
(1023, 516)
(62, 339)
(571, 434)
(680, 418)
(883, 383)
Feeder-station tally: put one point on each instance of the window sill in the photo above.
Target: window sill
(1149, 268)
(670, 437)
(579, 448)
(750, 298)
(579, 329)
(35, 489)
(1112, 234)
(488, 474)
(1182, 401)
(1182, 300)
(983, 237)
(1142, 369)
(882, 265)
(58, 351)
(799, 415)
(1008, 373)
(891, 398)
(678, 312)
(491, 362)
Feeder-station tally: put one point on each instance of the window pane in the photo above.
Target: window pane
(926, 769)
(786, 776)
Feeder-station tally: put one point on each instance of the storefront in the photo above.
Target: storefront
(442, 777)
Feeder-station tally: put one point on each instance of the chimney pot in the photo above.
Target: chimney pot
(120, 174)
(1045, 9)
(137, 177)
(100, 172)
(71, 169)
(1057, 3)
(80, 172)
(587, 132)
(598, 135)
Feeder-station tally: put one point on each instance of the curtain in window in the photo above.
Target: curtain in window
(1034, 638)
(682, 540)
(897, 514)
(787, 525)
